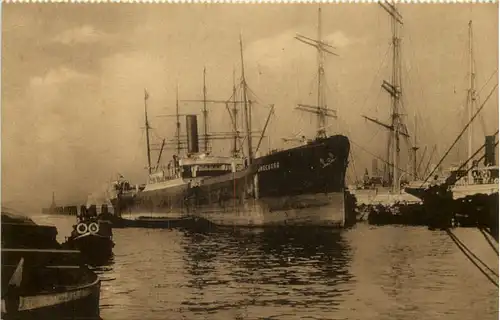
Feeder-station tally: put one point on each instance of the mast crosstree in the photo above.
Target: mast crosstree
(396, 127)
(320, 109)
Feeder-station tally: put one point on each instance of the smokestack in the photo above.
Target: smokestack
(374, 167)
(489, 150)
(192, 133)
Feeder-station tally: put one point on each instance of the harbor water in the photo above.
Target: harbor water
(363, 273)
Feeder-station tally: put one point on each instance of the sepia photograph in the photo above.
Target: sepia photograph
(249, 161)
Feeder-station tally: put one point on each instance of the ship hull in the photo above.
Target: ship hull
(303, 186)
(79, 303)
(166, 198)
(319, 210)
(469, 206)
(92, 246)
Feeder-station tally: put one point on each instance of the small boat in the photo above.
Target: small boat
(92, 235)
(39, 279)
(161, 221)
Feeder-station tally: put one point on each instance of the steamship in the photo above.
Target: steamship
(299, 186)
(166, 191)
(302, 186)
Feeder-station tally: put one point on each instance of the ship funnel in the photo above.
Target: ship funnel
(192, 133)
(489, 150)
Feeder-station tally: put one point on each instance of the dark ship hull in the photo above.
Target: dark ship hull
(93, 237)
(302, 186)
(92, 246)
(162, 198)
(441, 207)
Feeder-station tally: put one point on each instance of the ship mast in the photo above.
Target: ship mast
(415, 148)
(178, 123)
(320, 109)
(235, 123)
(471, 98)
(146, 97)
(397, 127)
(205, 112)
(245, 104)
(395, 95)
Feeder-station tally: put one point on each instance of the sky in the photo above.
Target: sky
(73, 80)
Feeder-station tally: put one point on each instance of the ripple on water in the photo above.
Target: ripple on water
(362, 273)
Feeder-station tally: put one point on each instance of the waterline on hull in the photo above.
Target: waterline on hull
(321, 210)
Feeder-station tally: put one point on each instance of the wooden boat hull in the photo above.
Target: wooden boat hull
(92, 246)
(78, 303)
(39, 280)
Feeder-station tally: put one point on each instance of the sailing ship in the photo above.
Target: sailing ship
(479, 180)
(384, 186)
(301, 186)
(471, 190)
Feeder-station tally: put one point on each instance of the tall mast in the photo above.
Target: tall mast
(471, 101)
(396, 83)
(178, 123)
(235, 124)
(146, 97)
(320, 109)
(245, 104)
(415, 149)
(395, 91)
(205, 112)
(321, 113)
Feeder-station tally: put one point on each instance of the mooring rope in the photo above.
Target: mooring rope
(472, 254)
(492, 245)
(463, 248)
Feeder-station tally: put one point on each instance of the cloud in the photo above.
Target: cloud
(338, 39)
(82, 34)
(283, 49)
(56, 77)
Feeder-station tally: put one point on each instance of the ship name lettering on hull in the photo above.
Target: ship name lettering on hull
(270, 166)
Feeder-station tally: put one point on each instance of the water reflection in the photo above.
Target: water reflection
(267, 268)
(363, 273)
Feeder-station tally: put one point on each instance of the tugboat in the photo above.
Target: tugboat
(39, 279)
(92, 235)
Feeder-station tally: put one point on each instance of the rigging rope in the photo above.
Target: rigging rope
(363, 105)
(374, 155)
(461, 133)
(353, 166)
(453, 177)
